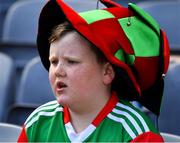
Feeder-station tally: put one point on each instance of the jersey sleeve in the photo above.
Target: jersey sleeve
(138, 127)
(38, 121)
(148, 137)
(22, 137)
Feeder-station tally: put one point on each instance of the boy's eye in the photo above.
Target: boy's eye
(53, 62)
(72, 61)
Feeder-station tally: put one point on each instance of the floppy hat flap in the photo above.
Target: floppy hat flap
(101, 27)
(146, 17)
(146, 45)
(166, 52)
(110, 3)
(163, 49)
(50, 16)
(152, 62)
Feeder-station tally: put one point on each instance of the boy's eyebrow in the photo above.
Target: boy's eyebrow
(68, 56)
(52, 57)
(71, 57)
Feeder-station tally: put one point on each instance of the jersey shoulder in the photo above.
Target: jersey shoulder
(133, 121)
(48, 110)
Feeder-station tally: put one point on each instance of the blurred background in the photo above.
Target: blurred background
(24, 82)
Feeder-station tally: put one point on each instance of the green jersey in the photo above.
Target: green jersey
(118, 121)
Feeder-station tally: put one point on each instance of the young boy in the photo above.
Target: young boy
(96, 66)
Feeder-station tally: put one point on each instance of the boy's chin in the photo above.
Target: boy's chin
(61, 100)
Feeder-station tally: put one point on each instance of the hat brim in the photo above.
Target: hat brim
(57, 12)
(50, 16)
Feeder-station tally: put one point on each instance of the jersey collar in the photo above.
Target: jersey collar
(80, 137)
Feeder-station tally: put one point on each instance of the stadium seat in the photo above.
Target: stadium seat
(170, 111)
(20, 29)
(9, 132)
(170, 137)
(6, 85)
(21, 22)
(34, 84)
(19, 113)
(83, 5)
(4, 5)
(166, 14)
(125, 2)
(175, 59)
(34, 90)
(19, 33)
(20, 53)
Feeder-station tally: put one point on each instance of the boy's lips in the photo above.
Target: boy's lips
(60, 86)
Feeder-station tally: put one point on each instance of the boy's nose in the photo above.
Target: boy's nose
(60, 70)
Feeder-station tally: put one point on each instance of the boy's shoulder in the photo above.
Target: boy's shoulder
(133, 120)
(48, 110)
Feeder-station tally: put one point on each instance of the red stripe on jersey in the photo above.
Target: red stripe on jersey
(23, 136)
(66, 115)
(106, 110)
(148, 137)
(103, 113)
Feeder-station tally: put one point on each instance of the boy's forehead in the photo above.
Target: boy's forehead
(70, 44)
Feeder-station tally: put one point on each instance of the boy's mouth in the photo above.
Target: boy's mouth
(61, 85)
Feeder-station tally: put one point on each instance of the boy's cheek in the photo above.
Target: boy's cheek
(51, 79)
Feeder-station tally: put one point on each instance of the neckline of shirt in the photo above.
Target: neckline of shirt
(73, 136)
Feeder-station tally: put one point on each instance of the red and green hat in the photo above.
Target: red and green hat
(128, 37)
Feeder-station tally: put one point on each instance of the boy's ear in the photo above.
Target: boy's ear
(108, 74)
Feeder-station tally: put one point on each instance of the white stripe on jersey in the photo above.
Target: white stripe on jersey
(43, 113)
(132, 120)
(125, 125)
(42, 108)
(78, 137)
(146, 128)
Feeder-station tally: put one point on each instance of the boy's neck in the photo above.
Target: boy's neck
(81, 120)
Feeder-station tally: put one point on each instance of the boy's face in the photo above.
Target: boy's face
(75, 75)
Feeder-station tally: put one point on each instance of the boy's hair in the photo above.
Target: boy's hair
(64, 28)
